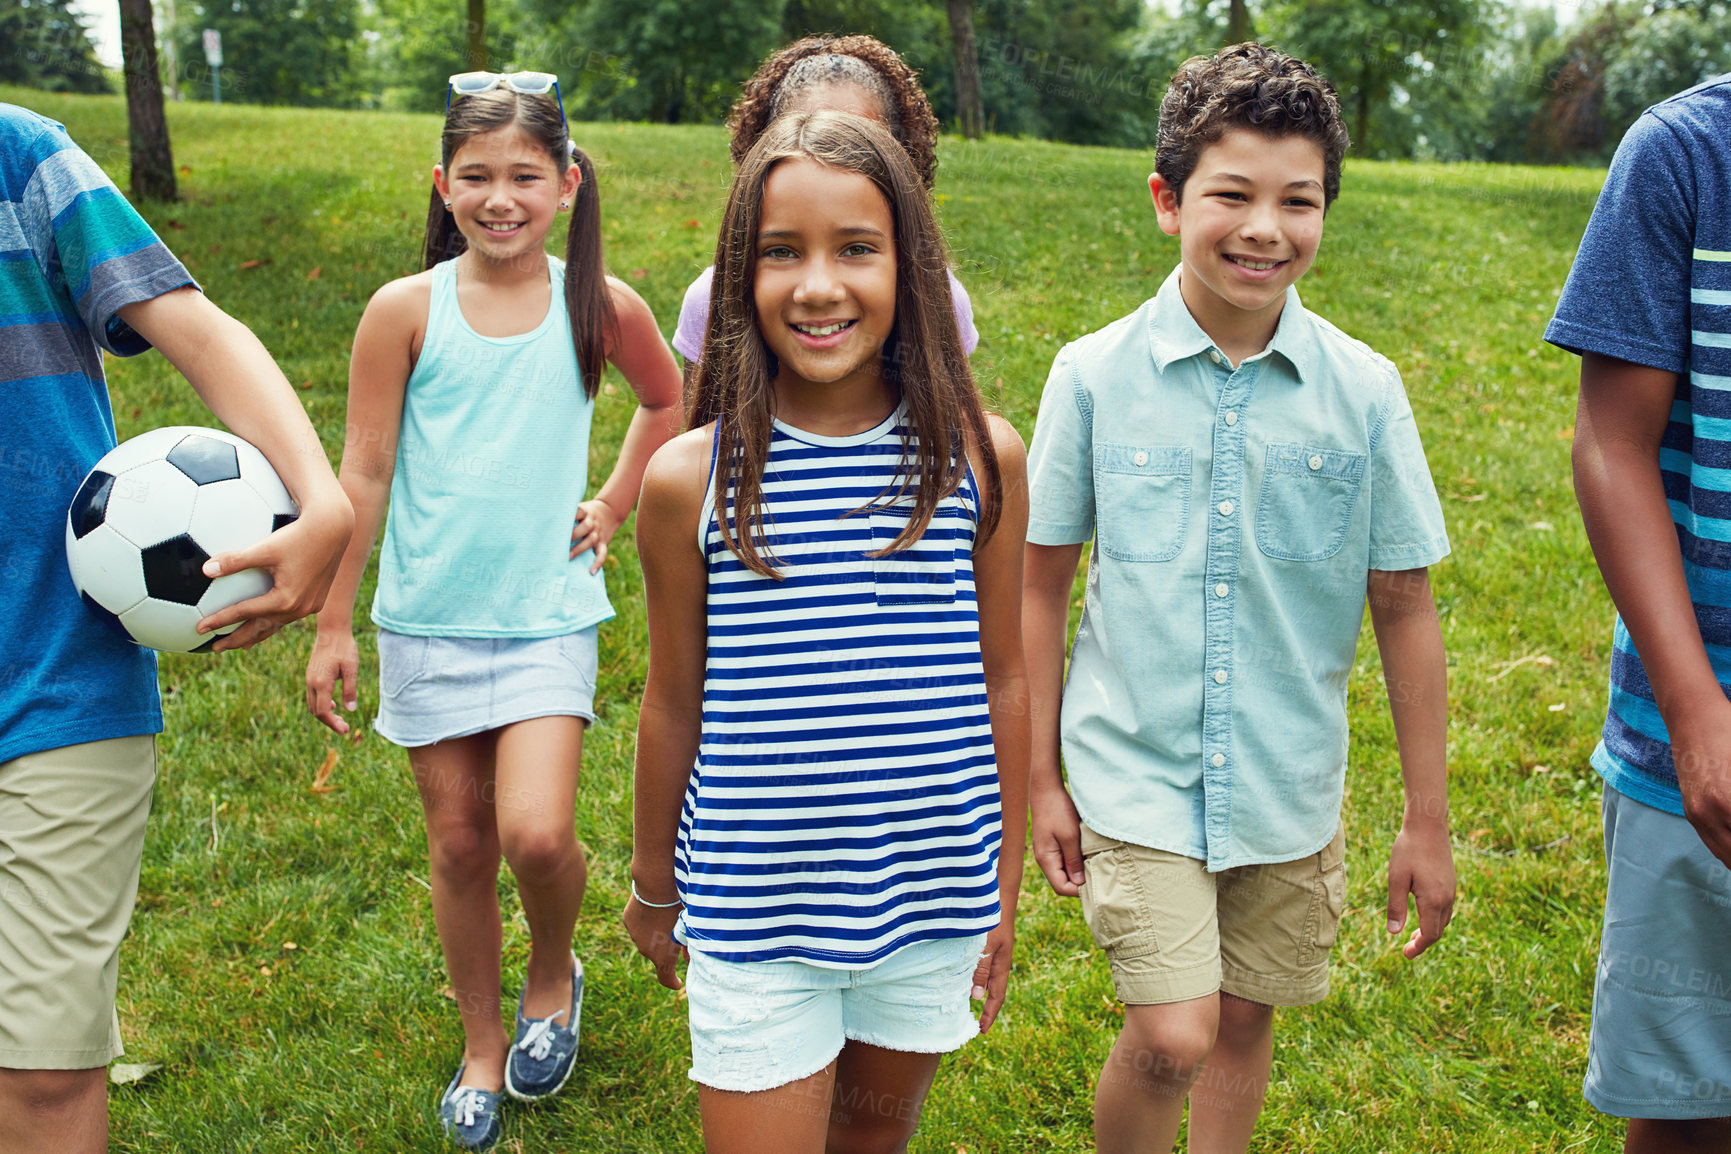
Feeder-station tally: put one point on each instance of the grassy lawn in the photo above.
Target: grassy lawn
(282, 964)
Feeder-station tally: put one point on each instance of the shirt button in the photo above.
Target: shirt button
(1217, 760)
(1140, 458)
(1226, 508)
(1220, 677)
(1231, 416)
(1214, 355)
(1315, 462)
(1221, 590)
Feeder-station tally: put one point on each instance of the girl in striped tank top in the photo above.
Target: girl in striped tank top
(833, 749)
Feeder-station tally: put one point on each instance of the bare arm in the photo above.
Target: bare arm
(998, 587)
(1415, 672)
(1619, 422)
(646, 362)
(675, 583)
(379, 370)
(1049, 575)
(236, 378)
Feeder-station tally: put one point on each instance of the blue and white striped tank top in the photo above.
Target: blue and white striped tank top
(845, 798)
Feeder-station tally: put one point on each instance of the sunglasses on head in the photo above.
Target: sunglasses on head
(524, 83)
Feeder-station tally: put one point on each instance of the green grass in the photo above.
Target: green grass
(343, 1041)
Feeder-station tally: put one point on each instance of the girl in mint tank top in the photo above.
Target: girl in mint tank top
(470, 397)
(832, 754)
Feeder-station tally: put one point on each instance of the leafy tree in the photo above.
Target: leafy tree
(1618, 61)
(666, 60)
(1517, 80)
(414, 46)
(48, 47)
(305, 52)
(1673, 49)
(1064, 70)
(1376, 51)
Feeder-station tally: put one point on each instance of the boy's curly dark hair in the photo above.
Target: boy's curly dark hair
(1247, 86)
(862, 60)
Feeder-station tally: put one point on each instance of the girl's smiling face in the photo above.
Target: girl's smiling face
(504, 191)
(825, 281)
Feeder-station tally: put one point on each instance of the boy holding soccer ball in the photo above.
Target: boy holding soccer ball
(80, 274)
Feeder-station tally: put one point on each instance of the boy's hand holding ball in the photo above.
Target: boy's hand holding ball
(302, 561)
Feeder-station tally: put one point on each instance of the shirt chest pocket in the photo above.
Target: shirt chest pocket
(1141, 500)
(924, 573)
(1308, 495)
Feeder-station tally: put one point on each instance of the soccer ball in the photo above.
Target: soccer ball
(148, 517)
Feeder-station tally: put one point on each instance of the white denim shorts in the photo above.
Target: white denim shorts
(436, 688)
(759, 1025)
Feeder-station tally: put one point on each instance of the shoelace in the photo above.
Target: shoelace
(467, 1105)
(538, 1042)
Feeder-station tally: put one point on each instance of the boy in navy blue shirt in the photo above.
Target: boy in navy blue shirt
(1648, 307)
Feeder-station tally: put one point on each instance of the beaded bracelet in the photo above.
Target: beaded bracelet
(642, 901)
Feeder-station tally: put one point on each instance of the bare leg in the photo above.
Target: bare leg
(61, 1110)
(537, 795)
(456, 782)
(1659, 1136)
(1225, 1101)
(878, 1095)
(790, 1119)
(1140, 1097)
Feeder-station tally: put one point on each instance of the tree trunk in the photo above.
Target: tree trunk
(1363, 128)
(967, 52)
(147, 127)
(476, 48)
(1239, 27)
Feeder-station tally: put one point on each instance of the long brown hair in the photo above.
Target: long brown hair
(922, 357)
(588, 302)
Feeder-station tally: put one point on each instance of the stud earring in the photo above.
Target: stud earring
(447, 204)
(562, 204)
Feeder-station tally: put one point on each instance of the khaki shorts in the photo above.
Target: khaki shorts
(71, 840)
(1173, 931)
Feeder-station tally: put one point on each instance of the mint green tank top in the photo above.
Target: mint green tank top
(492, 461)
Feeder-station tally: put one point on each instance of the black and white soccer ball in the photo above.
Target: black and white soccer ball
(152, 512)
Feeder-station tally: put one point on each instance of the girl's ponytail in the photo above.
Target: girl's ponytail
(444, 240)
(588, 302)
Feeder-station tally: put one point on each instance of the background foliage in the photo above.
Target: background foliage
(1497, 80)
(47, 46)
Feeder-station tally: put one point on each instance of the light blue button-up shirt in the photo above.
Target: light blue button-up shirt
(1236, 515)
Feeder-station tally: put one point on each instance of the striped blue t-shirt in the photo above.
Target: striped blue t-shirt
(1652, 285)
(845, 798)
(73, 253)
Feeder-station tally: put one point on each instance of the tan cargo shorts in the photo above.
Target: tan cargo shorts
(1173, 931)
(71, 840)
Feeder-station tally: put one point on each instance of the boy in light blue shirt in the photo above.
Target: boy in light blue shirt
(1249, 475)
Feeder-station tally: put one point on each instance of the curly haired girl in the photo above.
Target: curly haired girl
(858, 74)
